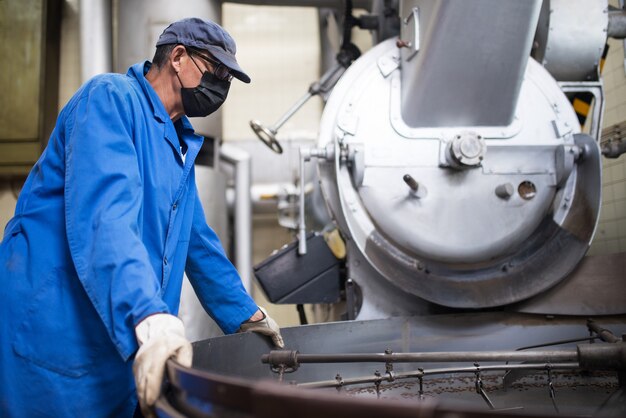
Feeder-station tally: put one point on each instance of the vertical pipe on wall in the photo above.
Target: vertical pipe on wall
(242, 164)
(95, 38)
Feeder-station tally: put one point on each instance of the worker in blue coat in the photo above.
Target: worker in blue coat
(92, 263)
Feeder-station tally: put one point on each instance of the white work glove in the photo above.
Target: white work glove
(160, 337)
(266, 326)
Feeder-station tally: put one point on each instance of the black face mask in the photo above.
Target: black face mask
(206, 98)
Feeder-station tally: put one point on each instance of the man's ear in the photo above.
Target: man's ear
(175, 57)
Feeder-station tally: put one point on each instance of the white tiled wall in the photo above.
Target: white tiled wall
(610, 235)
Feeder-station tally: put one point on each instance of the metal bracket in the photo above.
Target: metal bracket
(306, 154)
(421, 382)
(551, 389)
(596, 89)
(413, 31)
(339, 380)
(351, 299)
(387, 64)
(479, 387)
(283, 361)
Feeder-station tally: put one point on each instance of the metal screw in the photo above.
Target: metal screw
(505, 190)
(400, 43)
(411, 182)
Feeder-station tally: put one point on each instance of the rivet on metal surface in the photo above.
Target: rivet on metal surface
(400, 43)
(505, 191)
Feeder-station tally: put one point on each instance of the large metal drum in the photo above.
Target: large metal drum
(545, 374)
(461, 216)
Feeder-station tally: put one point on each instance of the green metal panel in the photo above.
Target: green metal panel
(19, 153)
(29, 44)
(20, 45)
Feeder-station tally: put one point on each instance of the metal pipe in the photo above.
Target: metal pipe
(617, 24)
(267, 196)
(95, 38)
(242, 163)
(603, 333)
(390, 377)
(305, 153)
(614, 149)
(274, 357)
(291, 111)
(611, 356)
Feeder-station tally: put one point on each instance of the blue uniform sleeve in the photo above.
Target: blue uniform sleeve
(103, 201)
(213, 277)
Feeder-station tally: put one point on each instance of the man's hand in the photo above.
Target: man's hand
(262, 323)
(160, 337)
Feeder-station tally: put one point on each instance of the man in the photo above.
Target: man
(91, 265)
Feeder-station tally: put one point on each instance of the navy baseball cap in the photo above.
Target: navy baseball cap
(206, 35)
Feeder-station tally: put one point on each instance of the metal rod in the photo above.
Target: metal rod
(325, 84)
(242, 163)
(314, 89)
(441, 356)
(304, 154)
(603, 333)
(571, 340)
(614, 149)
(291, 111)
(480, 389)
(617, 24)
(447, 370)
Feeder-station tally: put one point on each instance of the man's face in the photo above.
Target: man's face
(205, 62)
(204, 82)
(192, 70)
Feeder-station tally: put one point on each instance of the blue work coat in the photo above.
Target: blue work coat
(106, 223)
